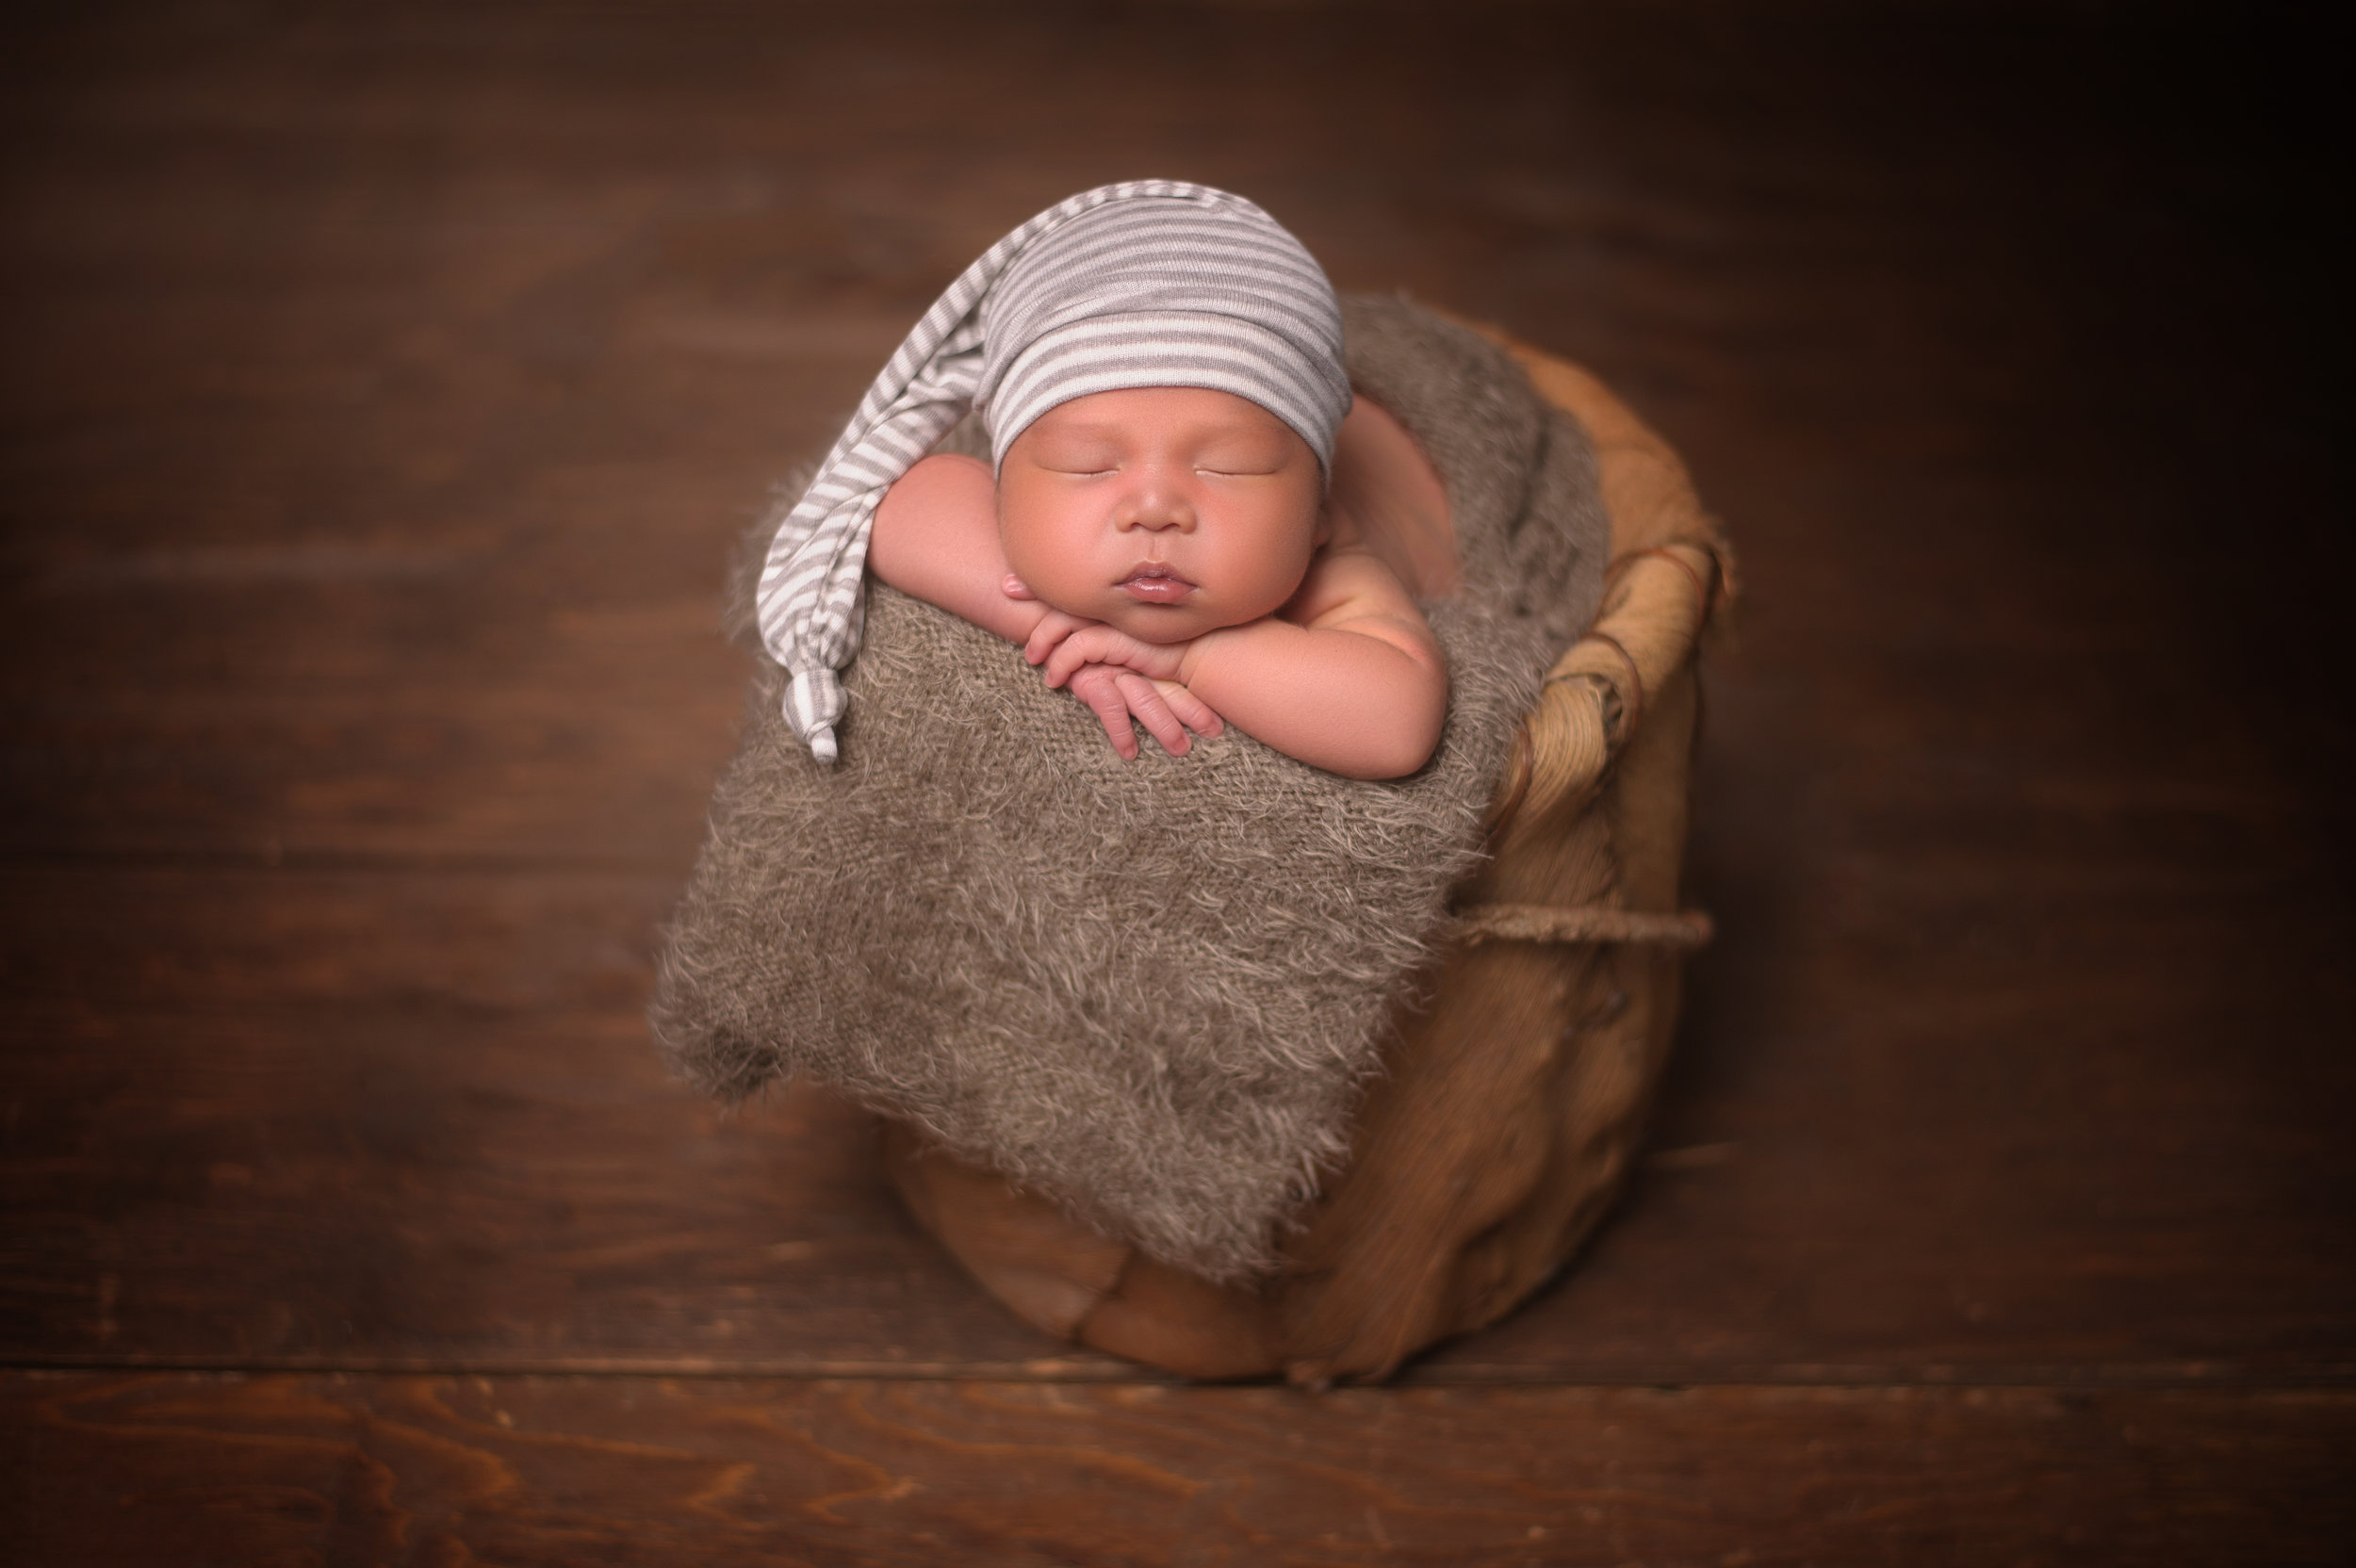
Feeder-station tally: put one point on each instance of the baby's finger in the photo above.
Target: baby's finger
(1112, 712)
(1053, 628)
(1192, 711)
(1069, 655)
(1154, 712)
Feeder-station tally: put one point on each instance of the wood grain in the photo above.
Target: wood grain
(383, 391)
(410, 1117)
(572, 1470)
(275, 1118)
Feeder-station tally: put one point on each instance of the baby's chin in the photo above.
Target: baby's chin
(1159, 623)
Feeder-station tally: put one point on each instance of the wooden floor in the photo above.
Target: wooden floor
(381, 389)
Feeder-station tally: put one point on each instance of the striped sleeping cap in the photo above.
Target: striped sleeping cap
(1165, 293)
(1149, 283)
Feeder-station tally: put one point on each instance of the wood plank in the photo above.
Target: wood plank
(367, 1118)
(369, 461)
(383, 391)
(428, 443)
(460, 458)
(377, 1118)
(568, 1470)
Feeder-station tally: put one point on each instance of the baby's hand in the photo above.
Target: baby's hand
(1116, 689)
(1166, 709)
(1093, 642)
(1053, 625)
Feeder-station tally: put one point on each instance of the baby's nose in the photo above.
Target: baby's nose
(1157, 511)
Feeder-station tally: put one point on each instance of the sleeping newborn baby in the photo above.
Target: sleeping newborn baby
(1168, 553)
(1185, 520)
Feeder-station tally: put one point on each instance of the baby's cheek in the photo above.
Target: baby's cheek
(1035, 553)
(1275, 565)
(1015, 533)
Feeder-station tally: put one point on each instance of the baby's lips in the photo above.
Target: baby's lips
(1155, 584)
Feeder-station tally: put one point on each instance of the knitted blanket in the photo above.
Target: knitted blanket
(1152, 990)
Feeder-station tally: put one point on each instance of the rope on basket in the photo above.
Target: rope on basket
(1684, 931)
(1632, 699)
(1704, 600)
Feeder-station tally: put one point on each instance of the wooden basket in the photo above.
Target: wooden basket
(1511, 1106)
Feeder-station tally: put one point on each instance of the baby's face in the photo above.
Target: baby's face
(1167, 511)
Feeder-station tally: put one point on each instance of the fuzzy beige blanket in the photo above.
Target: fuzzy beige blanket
(1150, 991)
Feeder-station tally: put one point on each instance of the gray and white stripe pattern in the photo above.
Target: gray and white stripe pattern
(1149, 283)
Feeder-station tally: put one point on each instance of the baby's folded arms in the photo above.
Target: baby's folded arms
(1196, 575)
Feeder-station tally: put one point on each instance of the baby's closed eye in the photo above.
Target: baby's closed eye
(1075, 454)
(1242, 459)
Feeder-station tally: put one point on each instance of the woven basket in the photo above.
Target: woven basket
(1513, 1103)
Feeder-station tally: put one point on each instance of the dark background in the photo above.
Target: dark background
(380, 391)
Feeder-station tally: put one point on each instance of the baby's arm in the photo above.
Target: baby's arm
(936, 538)
(1347, 678)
